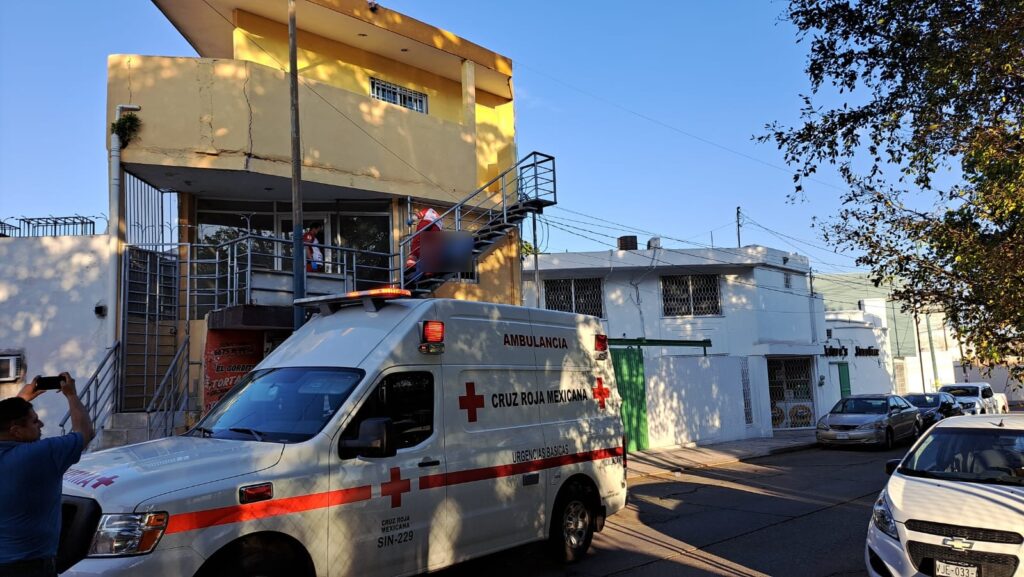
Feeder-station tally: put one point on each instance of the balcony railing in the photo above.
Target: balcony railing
(48, 226)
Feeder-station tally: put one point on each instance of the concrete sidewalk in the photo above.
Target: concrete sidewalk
(663, 461)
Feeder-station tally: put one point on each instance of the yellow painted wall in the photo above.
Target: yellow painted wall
(234, 115)
(264, 41)
(499, 274)
(495, 136)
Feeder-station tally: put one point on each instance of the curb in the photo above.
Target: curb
(681, 468)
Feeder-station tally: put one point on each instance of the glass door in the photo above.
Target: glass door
(370, 232)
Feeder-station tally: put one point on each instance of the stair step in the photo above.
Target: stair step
(129, 421)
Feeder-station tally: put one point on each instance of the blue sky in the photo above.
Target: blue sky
(649, 109)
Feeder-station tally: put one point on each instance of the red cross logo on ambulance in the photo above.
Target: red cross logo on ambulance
(471, 401)
(395, 487)
(601, 392)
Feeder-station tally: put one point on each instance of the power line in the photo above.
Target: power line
(658, 295)
(690, 268)
(747, 218)
(671, 127)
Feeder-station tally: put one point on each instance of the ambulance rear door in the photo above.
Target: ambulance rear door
(496, 494)
(581, 418)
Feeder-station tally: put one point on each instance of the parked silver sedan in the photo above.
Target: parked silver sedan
(881, 420)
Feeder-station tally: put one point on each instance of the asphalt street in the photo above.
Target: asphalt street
(791, 515)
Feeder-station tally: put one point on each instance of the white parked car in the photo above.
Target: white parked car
(954, 505)
(975, 398)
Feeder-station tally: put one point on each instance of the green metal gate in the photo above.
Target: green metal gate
(629, 376)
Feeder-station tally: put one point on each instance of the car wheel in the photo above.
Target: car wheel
(572, 525)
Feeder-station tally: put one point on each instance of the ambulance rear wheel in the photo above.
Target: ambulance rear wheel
(573, 523)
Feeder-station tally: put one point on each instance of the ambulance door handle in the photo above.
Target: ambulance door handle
(429, 463)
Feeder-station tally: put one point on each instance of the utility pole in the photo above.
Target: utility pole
(536, 267)
(931, 347)
(298, 251)
(920, 355)
(739, 224)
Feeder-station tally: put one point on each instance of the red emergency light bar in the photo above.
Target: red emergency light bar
(371, 299)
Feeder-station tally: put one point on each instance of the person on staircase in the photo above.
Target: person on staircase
(30, 493)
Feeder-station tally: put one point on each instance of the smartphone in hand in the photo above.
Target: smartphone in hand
(49, 383)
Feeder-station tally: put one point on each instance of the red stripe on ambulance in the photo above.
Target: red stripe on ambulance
(468, 476)
(394, 488)
(263, 509)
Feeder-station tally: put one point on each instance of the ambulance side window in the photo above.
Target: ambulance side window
(405, 398)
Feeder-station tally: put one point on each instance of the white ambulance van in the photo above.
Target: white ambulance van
(392, 437)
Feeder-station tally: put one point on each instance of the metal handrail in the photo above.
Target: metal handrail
(531, 178)
(170, 395)
(98, 387)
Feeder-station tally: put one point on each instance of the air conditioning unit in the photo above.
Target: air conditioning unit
(10, 368)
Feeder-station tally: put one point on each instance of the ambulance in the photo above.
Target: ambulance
(388, 436)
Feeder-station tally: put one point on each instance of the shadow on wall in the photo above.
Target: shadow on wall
(240, 107)
(694, 400)
(49, 288)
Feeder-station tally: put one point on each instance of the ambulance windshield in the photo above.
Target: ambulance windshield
(285, 405)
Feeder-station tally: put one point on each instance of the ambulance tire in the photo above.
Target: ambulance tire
(259, 555)
(573, 521)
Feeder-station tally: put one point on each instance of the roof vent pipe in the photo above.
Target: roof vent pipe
(655, 242)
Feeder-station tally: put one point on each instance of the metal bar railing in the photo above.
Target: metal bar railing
(166, 400)
(98, 390)
(532, 178)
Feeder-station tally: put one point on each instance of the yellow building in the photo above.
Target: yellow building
(396, 116)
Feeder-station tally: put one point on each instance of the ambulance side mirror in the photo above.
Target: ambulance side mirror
(376, 440)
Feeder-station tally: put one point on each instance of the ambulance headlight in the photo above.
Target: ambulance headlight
(127, 534)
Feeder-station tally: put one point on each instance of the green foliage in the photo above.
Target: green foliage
(126, 128)
(526, 249)
(936, 89)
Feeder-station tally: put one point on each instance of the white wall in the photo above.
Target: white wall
(697, 399)
(49, 287)
(864, 328)
(700, 400)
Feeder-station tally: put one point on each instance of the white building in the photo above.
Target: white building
(857, 348)
(765, 368)
(57, 313)
(920, 351)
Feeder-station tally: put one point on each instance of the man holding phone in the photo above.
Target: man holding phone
(32, 472)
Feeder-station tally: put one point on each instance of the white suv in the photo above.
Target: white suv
(953, 506)
(975, 398)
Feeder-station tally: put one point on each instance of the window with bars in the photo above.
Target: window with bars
(690, 295)
(787, 280)
(899, 369)
(575, 295)
(395, 94)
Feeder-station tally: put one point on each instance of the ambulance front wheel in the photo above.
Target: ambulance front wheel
(573, 522)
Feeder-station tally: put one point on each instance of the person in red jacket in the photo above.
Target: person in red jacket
(428, 219)
(314, 257)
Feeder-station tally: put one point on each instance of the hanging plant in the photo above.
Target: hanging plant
(126, 128)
